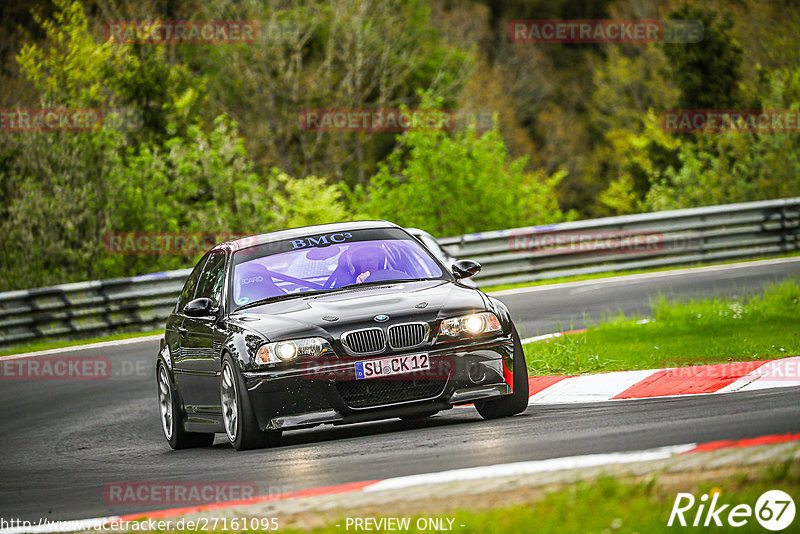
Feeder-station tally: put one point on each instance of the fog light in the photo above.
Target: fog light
(477, 373)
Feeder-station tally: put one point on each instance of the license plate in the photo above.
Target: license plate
(392, 366)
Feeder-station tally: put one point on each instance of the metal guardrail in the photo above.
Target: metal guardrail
(666, 238)
(648, 240)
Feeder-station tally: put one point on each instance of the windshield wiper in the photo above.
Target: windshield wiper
(277, 298)
(383, 282)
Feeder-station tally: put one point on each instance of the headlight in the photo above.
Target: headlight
(286, 351)
(470, 325)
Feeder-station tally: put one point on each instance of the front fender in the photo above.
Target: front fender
(165, 356)
(502, 313)
(242, 345)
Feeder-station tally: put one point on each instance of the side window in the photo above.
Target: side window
(187, 293)
(210, 283)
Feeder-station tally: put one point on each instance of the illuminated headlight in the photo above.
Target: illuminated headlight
(470, 325)
(292, 349)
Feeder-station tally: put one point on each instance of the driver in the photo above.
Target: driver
(367, 261)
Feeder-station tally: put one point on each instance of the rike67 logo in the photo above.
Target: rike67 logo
(774, 510)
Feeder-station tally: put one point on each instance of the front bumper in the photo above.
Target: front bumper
(328, 392)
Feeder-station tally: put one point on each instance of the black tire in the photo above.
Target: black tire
(419, 416)
(241, 426)
(172, 415)
(517, 402)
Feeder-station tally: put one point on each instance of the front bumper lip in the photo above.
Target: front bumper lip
(332, 417)
(464, 395)
(305, 420)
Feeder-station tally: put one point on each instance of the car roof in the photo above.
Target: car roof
(303, 231)
(417, 231)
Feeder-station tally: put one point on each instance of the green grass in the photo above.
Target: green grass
(611, 274)
(57, 344)
(717, 330)
(609, 505)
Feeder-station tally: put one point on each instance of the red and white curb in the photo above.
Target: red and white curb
(679, 381)
(455, 475)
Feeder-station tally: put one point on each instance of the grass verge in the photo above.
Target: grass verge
(700, 331)
(58, 344)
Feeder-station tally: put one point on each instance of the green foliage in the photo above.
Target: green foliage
(72, 70)
(341, 54)
(708, 73)
(450, 185)
(735, 166)
(640, 158)
(307, 201)
(64, 192)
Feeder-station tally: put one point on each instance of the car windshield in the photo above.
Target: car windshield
(328, 262)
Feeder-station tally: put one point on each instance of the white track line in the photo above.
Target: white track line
(101, 345)
(524, 468)
(627, 278)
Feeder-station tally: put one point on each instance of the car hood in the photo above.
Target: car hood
(330, 315)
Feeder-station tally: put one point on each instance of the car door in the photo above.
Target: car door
(202, 341)
(174, 330)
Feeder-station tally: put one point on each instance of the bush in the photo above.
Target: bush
(450, 185)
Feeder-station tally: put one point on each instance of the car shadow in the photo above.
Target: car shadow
(326, 433)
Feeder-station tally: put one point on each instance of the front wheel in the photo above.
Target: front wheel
(170, 410)
(241, 426)
(517, 402)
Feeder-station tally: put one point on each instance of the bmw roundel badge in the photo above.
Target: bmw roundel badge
(381, 318)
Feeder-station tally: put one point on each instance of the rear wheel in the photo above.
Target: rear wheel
(171, 413)
(517, 402)
(241, 426)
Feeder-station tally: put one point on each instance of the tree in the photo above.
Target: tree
(736, 166)
(311, 54)
(450, 185)
(708, 73)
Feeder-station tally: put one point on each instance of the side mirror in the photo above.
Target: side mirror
(200, 307)
(465, 268)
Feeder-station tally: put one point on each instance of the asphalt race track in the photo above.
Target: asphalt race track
(62, 441)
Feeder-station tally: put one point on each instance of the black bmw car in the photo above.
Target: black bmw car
(330, 324)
